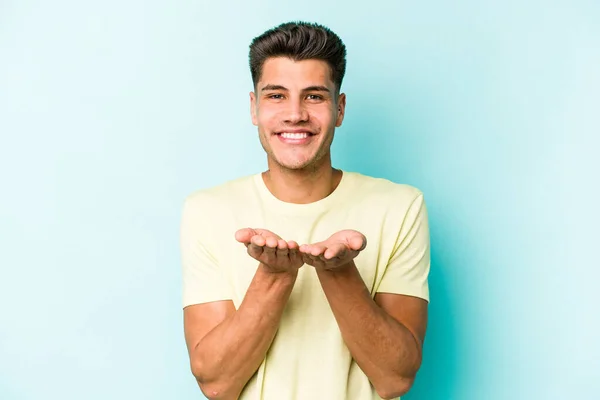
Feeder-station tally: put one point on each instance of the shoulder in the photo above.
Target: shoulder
(220, 195)
(382, 189)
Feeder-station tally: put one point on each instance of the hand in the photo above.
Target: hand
(271, 250)
(335, 252)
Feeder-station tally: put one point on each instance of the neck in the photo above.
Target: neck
(302, 186)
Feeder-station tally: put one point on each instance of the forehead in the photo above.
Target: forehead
(287, 72)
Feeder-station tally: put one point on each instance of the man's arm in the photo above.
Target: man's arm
(226, 346)
(385, 336)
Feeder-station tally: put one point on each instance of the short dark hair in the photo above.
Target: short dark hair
(299, 41)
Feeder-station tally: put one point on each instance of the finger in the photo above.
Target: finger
(336, 250)
(293, 245)
(255, 251)
(244, 235)
(282, 249)
(269, 250)
(271, 243)
(294, 254)
(316, 261)
(317, 249)
(295, 257)
(258, 240)
(266, 233)
(306, 258)
(282, 255)
(358, 242)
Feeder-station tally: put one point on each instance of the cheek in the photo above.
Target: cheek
(267, 116)
(323, 117)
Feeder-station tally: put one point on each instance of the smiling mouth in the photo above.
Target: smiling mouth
(295, 138)
(294, 135)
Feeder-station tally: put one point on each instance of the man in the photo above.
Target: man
(333, 318)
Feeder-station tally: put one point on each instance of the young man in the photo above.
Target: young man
(333, 318)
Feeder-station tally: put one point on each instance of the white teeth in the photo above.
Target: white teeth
(287, 135)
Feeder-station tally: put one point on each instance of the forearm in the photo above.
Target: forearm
(385, 350)
(227, 357)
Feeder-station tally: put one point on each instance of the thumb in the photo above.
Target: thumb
(358, 242)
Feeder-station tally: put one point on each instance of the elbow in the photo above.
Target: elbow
(216, 391)
(398, 383)
(213, 388)
(394, 388)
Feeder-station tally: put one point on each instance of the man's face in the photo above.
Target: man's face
(296, 110)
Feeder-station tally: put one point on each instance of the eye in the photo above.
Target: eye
(315, 97)
(275, 96)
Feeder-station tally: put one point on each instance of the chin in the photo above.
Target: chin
(295, 167)
(294, 164)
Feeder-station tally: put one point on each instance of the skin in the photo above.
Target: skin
(384, 335)
(298, 174)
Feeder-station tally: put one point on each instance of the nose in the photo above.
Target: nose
(295, 113)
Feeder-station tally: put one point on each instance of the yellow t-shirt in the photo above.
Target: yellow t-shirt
(308, 358)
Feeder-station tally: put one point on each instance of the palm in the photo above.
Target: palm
(270, 249)
(338, 250)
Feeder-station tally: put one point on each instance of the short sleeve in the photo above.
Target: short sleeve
(407, 270)
(203, 278)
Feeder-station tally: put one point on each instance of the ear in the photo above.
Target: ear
(341, 109)
(253, 109)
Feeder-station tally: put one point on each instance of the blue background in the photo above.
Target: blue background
(112, 112)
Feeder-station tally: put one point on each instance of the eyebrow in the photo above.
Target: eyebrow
(307, 89)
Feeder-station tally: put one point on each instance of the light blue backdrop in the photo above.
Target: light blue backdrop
(112, 112)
